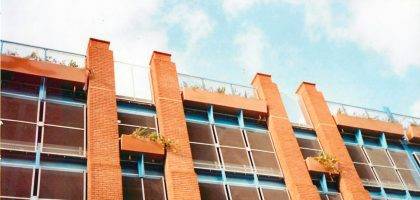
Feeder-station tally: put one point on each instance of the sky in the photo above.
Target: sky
(359, 52)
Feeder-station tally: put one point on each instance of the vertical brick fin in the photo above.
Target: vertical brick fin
(181, 180)
(287, 149)
(351, 186)
(104, 170)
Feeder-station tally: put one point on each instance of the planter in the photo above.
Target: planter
(413, 133)
(316, 167)
(391, 129)
(134, 144)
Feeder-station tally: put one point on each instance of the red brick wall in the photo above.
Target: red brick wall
(350, 184)
(181, 180)
(103, 158)
(287, 149)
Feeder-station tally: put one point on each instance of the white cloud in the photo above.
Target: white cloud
(390, 28)
(415, 108)
(132, 27)
(252, 47)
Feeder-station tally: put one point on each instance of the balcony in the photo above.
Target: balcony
(371, 120)
(224, 96)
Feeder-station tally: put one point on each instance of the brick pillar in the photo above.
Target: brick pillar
(296, 174)
(181, 180)
(351, 186)
(103, 156)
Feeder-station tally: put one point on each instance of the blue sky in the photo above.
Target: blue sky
(358, 52)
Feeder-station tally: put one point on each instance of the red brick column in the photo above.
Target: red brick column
(287, 149)
(351, 186)
(103, 156)
(181, 180)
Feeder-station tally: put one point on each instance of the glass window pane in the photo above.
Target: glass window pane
(388, 177)
(204, 156)
(123, 129)
(323, 197)
(334, 197)
(378, 157)
(230, 136)
(243, 193)
(308, 143)
(132, 188)
(309, 153)
(366, 174)
(137, 120)
(401, 160)
(200, 133)
(16, 182)
(19, 109)
(153, 189)
(236, 159)
(18, 136)
(271, 194)
(411, 179)
(64, 115)
(260, 141)
(266, 163)
(63, 140)
(61, 184)
(212, 191)
(356, 154)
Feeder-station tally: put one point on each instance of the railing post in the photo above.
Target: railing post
(1, 46)
(389, 113)
(202, 84)
(45, 54)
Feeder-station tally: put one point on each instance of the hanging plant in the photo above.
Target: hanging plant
(329, 162)
(152, 135)
(221, 90)
(73, 63)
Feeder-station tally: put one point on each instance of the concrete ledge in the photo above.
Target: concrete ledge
(42, 68)
(391, 129)
(133, 144)
(225, 102)
(315, 167)
(413, 133)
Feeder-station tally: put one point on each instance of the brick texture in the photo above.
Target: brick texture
(350, 184)
(296, 175)
(103, 159)
(181, 180)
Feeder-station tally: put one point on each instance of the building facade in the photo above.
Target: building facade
(88, 127)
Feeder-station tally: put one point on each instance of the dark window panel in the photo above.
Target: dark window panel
(366, 174)
(236, 159)
(16, 182)
(18, 136)
(61, 185)
(132, 189)
(401, 160)
(260, 141)
(356, 154)
(271, 194)
(137, 120)
(19, 109)
(334, 197)
(309, 153)
(212, 191)
(388, 177)
(200, 133)
(323, 196)
(378, 157)
(266, 163)
(64, 115)
(411, 179)
(204, 156)
(244, 193)
(153, 189)
(63, 140)
(230, 136)
(308, 143)
(18, 87)
(123, 129)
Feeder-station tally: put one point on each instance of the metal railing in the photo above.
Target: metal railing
(42, 54)
(357, 111)
(188, 81)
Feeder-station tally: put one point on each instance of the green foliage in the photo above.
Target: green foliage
(221, 90)
(152, 135)
(34, 56)
(73, 63)
(328, 161)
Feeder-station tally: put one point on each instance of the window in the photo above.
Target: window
(259, 141)
(336, 196)
(204, 156)
(236, 159)
(153, 189)
(212, 191)
(132, 187)
(265, 163)
(275, 194)
(128, 122)
(143, 188)
(55, 184)
(309, 147)
(200, 133)
(16, 182)
(243, 193)
(361, 164)
(230, 137)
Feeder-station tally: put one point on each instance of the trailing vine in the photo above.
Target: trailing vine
(329, 162)
(152, 135)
